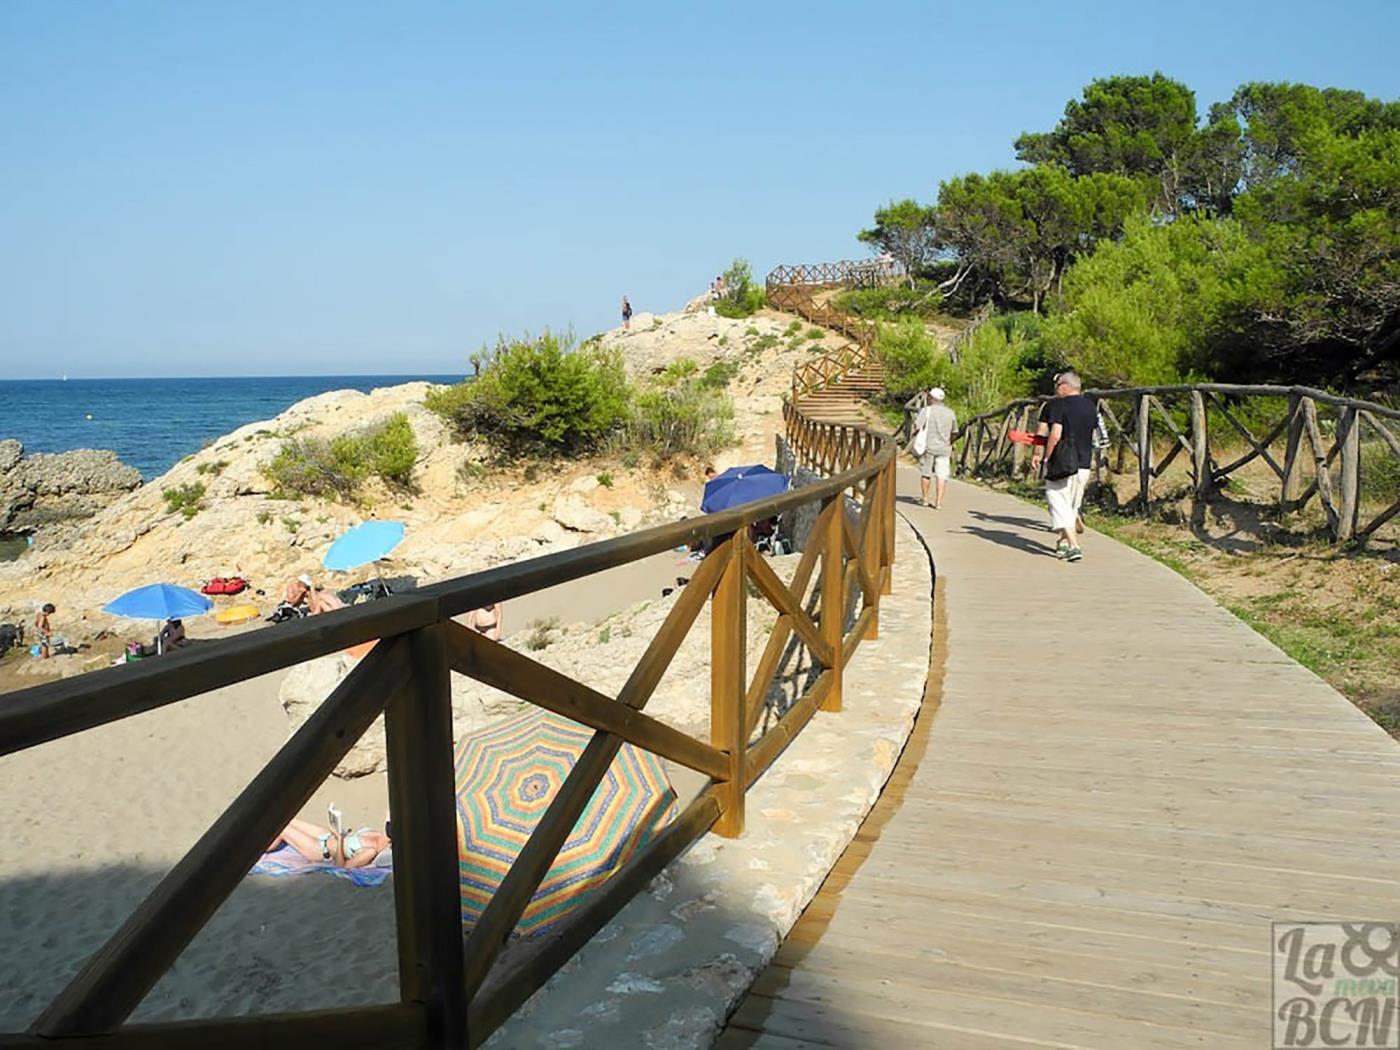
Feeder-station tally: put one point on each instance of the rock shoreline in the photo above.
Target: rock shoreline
(49, 488)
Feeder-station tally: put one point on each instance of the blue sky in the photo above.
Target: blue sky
(304, 188)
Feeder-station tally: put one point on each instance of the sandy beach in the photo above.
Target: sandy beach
(94, 820)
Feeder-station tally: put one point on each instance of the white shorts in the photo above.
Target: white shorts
(933, 465)
(1065, 497)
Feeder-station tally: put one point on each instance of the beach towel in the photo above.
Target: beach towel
(287, 861)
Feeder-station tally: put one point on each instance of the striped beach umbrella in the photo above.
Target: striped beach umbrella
(506, 777)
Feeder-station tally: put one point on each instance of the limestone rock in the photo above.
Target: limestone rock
(46, 488)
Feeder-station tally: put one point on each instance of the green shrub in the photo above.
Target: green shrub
(999, 363)
(688, 417)
(605, 479)
(264, 516)
(540, 395)
(892, 302)
(911, 356)
(719, 375)
(742, 296)
(187, 499)
(337, 468)
(815, 333)
(216, 468)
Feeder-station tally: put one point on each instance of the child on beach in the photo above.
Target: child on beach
(43, 630)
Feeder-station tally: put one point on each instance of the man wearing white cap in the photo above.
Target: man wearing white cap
(935, 427)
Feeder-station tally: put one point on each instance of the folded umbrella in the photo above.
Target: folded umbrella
(363, 544)
(742, 485)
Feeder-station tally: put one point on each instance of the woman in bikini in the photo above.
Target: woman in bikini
(357, 849)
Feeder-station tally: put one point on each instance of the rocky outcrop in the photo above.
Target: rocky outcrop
(48, 488)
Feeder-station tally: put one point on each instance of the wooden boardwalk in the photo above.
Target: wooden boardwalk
(1115, 790)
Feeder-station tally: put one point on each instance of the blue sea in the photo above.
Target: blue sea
(153, 423)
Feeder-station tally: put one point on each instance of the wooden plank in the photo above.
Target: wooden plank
(1321, 458)
(360, 1028)
(1261, 448)
(1349, 438)
(119, 974)
(785, 602)
(422, 798)
(515, 673)
(1144, 446)
(833, 596)
(728, 677)
(56, 709)
(1200, 446)
(1292, 478)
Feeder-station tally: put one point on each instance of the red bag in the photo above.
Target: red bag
(222, 585)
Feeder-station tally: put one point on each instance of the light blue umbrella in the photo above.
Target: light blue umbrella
(159, 601)
(363, 544)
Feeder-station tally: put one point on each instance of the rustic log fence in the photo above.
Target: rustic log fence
(451, 992)
(1317, 430)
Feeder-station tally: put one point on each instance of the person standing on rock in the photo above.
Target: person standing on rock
(626, 315)
(935, 427)
(1068, 423)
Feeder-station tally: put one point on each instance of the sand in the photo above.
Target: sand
(92, 821)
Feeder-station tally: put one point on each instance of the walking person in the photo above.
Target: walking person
(1068, 423)
(626, 315)
(935, 428)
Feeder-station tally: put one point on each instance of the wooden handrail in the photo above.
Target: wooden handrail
(450, 994)
(986, 446)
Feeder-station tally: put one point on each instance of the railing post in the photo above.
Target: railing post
(728, 680)
(833, 595)
(886, 509)
(422, 787)
(1200, 444)
(1349, 436)
(1292, 474)
(1144, 444)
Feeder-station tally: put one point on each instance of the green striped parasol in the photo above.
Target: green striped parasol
(508, 774)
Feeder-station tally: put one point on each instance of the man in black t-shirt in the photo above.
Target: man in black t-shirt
(1068, 422)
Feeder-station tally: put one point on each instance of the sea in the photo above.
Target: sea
(153, 423)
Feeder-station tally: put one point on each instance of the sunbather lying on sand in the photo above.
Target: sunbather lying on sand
(357, 849)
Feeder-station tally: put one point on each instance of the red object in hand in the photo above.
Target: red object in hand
(1022, 437)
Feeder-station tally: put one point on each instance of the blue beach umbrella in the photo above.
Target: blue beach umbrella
(363, 544)
(742, 485)
(159, 601)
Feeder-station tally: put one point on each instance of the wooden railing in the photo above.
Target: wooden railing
(1316, 427)
(451, 992)
(794, 288)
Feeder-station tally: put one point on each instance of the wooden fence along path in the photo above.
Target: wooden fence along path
(451, 993)
(1122, 786)
(1314, 436)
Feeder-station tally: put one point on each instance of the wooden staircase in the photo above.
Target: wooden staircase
(831, 388)
(840, 400)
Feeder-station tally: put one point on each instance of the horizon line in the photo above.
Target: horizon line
(278, 375)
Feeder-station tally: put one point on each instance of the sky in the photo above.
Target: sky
(332, 188)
